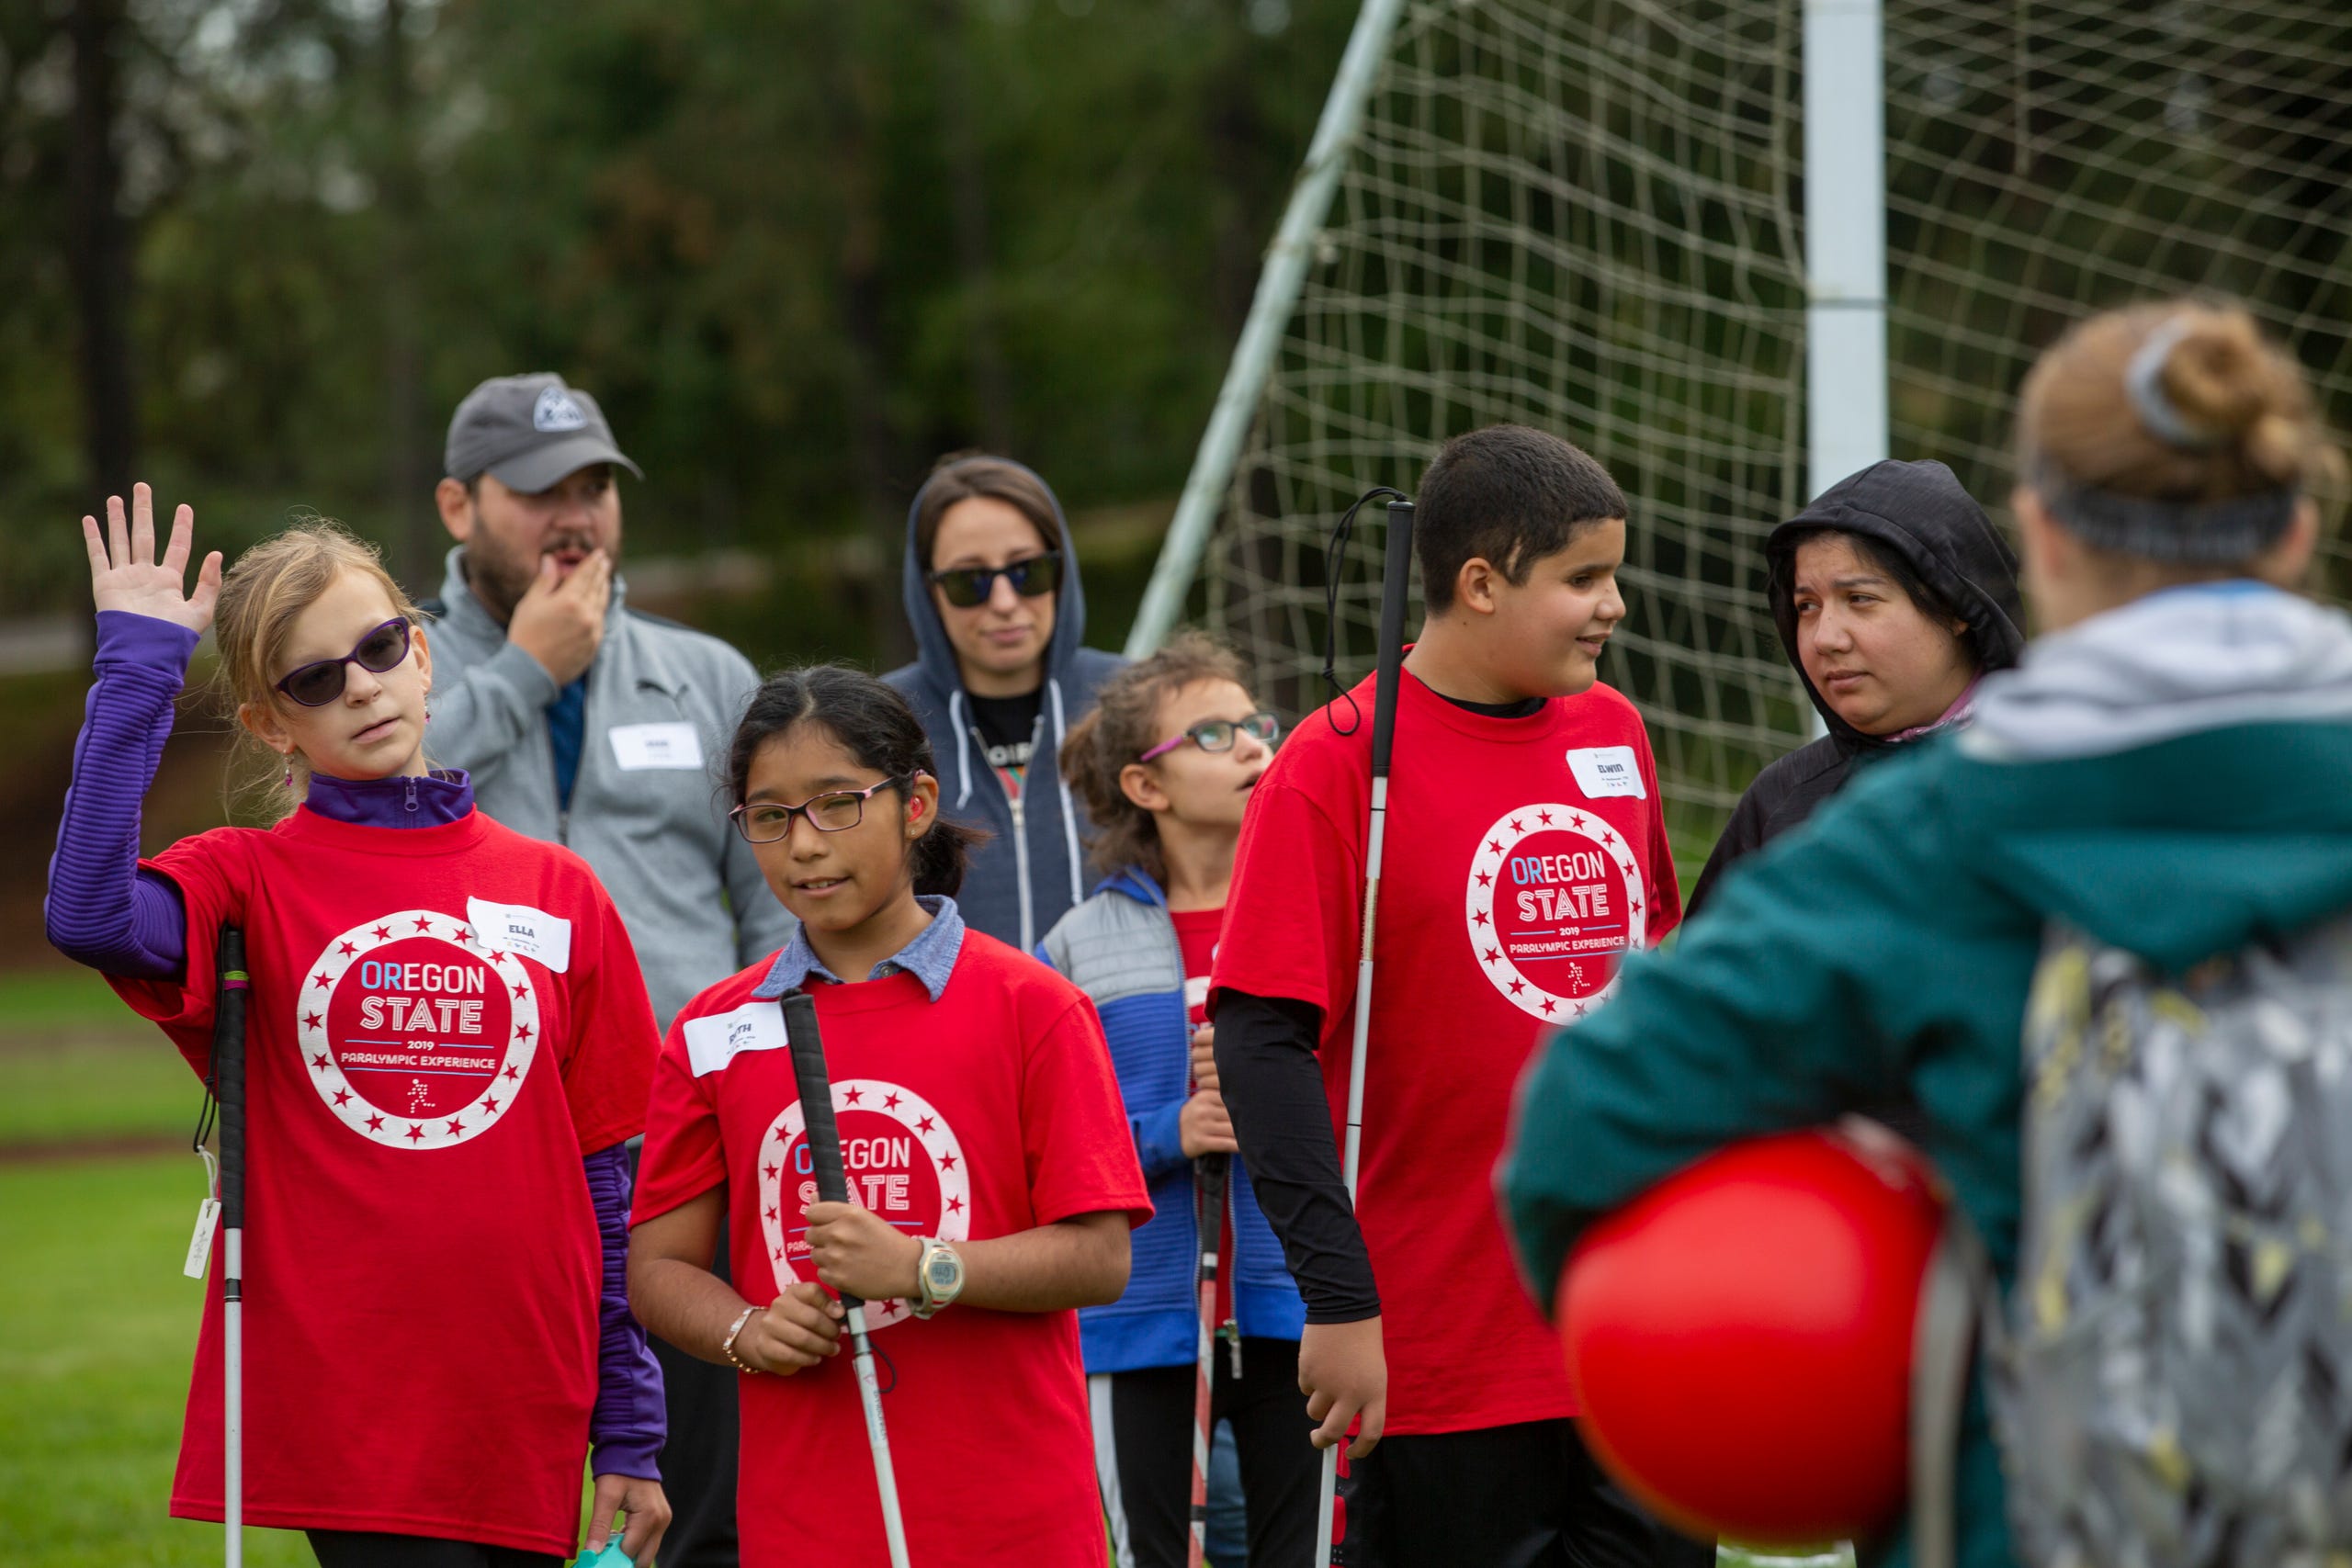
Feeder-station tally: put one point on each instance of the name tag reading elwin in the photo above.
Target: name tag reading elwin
(640, 746)
(1604, 770)
(520, 929)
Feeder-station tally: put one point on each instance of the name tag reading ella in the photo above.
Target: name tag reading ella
(637, 747)
(520, 929)
(712, 1042)
(1607, 769)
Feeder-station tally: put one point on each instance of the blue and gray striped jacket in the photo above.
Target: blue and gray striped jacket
(1120, 948)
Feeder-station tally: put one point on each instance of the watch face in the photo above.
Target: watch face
(944, 1270)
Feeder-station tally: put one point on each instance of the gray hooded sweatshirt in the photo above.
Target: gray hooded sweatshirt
(1030, 871)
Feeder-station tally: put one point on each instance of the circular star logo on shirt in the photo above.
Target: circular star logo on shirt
(1555, 901)
(412, 1035)
(901, 1159)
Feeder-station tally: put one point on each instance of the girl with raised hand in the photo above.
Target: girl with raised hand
(2164, 772)
(994, 1178)
(449, 1044)
(1165, 766)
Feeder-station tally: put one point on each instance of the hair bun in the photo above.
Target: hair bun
(2216, 376)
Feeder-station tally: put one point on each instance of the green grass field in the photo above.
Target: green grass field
(95, 1203)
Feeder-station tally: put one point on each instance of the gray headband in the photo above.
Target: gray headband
(2144, 383)
(2187, 533)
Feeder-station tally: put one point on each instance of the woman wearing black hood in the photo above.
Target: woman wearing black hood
(1894, 595)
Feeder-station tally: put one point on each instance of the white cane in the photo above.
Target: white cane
(816, 1087)
(228, 1087)
(1388, 673)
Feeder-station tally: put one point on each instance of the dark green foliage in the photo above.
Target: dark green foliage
(797, 249)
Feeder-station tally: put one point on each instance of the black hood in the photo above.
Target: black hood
(1920, 512)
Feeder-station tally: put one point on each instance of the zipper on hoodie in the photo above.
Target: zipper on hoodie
(1020, 823)
(410, 803)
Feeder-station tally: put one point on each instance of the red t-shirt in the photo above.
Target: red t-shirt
(1196, 934)
(442, 1022)
(986, 1113)
(1522, 857)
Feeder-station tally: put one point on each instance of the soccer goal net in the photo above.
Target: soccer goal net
(1587, 216)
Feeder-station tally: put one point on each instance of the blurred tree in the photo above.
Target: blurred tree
(97, 248)
(798, 248)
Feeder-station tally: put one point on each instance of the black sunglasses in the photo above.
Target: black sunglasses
(315, 685)
(968, 587)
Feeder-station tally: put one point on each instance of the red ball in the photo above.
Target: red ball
(1740, 1335)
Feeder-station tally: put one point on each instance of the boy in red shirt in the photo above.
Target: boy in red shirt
(1526, 854)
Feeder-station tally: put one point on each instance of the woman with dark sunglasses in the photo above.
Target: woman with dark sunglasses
(1166, 765)
(999, 678)
(449, 1044)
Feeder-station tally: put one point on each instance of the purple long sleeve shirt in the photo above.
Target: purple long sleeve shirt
(105, 912)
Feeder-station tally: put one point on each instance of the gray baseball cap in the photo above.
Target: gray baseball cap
(528, 432)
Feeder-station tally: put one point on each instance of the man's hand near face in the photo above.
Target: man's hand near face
(560, 621)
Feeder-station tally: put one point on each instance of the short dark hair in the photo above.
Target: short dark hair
(960, 476)
(1508, 495)
(875, 724)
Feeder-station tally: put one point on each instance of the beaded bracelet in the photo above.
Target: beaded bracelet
(735, 1332)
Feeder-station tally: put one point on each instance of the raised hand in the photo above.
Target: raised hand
(125, 574)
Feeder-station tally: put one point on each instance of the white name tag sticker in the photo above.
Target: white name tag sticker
(199, 1246)
(637, 747)
(520, 929)
(713, 1041)
(1603, 771)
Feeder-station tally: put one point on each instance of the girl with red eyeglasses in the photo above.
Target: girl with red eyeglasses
(448, 1044)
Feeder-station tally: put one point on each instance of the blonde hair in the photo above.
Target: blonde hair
(1123, 726)
(2142, 426)
(271, 585)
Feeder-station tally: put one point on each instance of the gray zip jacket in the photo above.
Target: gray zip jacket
(648, 812)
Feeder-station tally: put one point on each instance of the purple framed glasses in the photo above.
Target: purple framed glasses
(1219, 734)
(315, 685)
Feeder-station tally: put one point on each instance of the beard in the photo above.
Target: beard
(500, 575)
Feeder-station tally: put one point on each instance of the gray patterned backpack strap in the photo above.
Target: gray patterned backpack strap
(2175, 1387)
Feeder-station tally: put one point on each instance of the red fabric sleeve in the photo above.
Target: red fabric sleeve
(1666, 884)
(1295, 917)
(210, 872)
(1074, 1133)
(683, 1157)
(609, 1062)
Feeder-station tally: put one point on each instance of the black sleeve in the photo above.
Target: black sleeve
(1274, 1089)
(1742, 837)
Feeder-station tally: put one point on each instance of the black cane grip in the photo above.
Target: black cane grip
(1396, 589)
(816, 1096)
(228, 1072)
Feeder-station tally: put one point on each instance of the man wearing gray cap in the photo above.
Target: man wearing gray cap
(598, 727)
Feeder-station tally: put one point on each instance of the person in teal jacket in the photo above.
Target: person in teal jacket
(2167, 770)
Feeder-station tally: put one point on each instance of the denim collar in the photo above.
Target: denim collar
(930, 958)
(435, 800)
